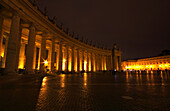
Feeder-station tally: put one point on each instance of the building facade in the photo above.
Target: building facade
(29, 40)
(152, 63)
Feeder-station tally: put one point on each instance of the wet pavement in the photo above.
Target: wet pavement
(105, 92)
(19, 92)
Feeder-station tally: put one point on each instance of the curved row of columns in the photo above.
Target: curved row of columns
(29, 51)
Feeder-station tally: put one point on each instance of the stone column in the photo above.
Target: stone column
(120, 63)
(107, 62)
(72, 60)
(92, 62)
(67, 58)
(22, 55)
(1, 38)
(97, 56)
(87, 62)
(99, 61)
(96, 62)
(18, 49)
(60, 57)
(53, 54)
(107, 67)
(5, 52)
(49, 59)
(30, 50)
(39, 58)
(10, 65)
(102, 65)
(78, 61)
(43, 52)
(83, 59)
(111, 63)
(57, 59)
(114, 62)
(34, 57)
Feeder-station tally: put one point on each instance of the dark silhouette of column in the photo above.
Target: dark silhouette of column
(60, 57)
(10, 66)
(53, 54)
(72, 60)
(43, 52)
(30, 50)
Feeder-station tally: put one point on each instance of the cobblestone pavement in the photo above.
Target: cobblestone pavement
(105, 92)
(19, 92)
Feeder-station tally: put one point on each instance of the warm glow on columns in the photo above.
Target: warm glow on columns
(90, 64)
(80, 65)
(2, 54)
(64, 64)
(105, 64)
(21, 63)
(85, 65)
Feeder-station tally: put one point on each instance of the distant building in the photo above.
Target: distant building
(161, 62)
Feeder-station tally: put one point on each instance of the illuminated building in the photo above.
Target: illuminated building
(29, 40)
(152, 63)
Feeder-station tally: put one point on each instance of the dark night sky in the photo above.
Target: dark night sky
(140, 28)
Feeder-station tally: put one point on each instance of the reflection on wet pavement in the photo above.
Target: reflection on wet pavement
(104, 91)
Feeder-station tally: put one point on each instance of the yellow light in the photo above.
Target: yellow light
(44, 81)
(64, 64)
(85, 64)
(85, 79)
(159, 65)
(2, 54)
(62, 82)
(151, 66)
(165, 65)
(146, 66)
(46, 63)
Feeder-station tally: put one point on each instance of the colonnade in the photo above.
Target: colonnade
(37, 44)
